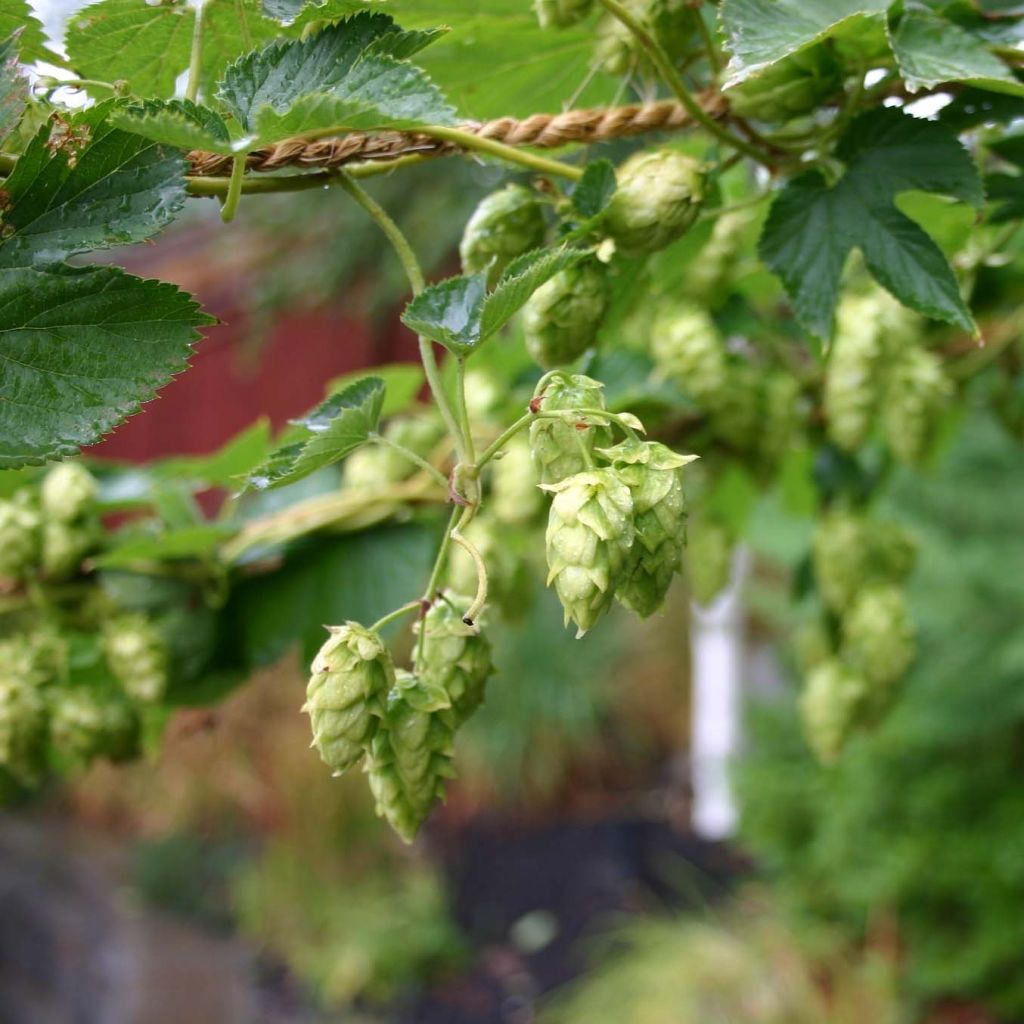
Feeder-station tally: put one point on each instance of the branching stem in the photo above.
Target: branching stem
(410, 455)
(234, 193)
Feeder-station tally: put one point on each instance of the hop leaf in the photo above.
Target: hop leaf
(830, 706)
(589, 537)
(789, 88)
(506, 224)
(351, 676)
(878, 636)
(137, 655)
(657, 200)
(19, 536)
(916, 394)
(562, 317)
(555, 443)
(411, 754)
(68, 492)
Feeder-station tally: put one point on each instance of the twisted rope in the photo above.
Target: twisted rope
(542, 131)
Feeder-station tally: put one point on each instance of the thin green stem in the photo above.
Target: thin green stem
(48, 84)
(439, 562)
(492, 449)
(481, 577)
(411, 456)
(467, 140)
(588, 456)
(674, 81)
(412, 606)
(230, 205)
(463, 410)
(417, 282)
(714, 57)
(195, 63)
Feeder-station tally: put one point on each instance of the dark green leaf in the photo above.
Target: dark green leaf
(595, 189)
(402, 383)
(13, 88)
(179, 123)
(812, 227)
(79, 351)
(1006, 193)
(83, 184)
(337, 426)
(450, 313)
(972, 107)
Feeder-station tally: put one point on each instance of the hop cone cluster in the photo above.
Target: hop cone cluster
(878, 636)
(561, 13)
(789, 88)
(562, 317)
(555, 443)
(411, 753)
(916, 393)
(506, 224)
(456, 658)
(351, 677)
(830, 706)
(137, 656)
(652, 473)
(589, 537)
(658, 198)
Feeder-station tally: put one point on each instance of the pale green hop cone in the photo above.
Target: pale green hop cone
(411, 754)
(789, 88)
(351, 677)
(562, 317)
(68, 492)
(137, 656)
(66, 544)
(841, 556)
(831, 705)
(22, 726)
(20, 526)
(653, 475)
(916, 395)
(506, 224)
(878, 635)
(589, 537)
(78, 725)
(688, 350)
(556, 443)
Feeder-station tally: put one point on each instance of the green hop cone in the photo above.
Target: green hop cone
(791, 87)
(561, 13)
(915, 397)
(893, 552)
(589, 537)
(710, 276)
(831, 705)
(137, 655)
(65, 545)
(841, 557)
(20, 525)
(736, 413)
(68, 492)
(878, 636)
(562, 317)
(456, 658)
(658, 198)
(688, 350)
(77, 725)
(411, 754)
(780, 418)
(515, 497)
(709, 559)
(555, 443)
(22, 726)
(652, 473)
(673, 23)
(812, 645)
(351, 677)
(506, 224)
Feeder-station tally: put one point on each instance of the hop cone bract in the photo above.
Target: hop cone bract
(556, 443)
(506, 224)
(562, 317)
(878, 636)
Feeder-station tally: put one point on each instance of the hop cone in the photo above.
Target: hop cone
(830, 707)
(137, 655)
(562, 317)
(789, 88)
(916, 394)
(812, 645)
(589, 537)
(65, 545)
(736, 413)
(709, 559)
(68, 492)
(506, 224)
(515, 498)
(893, 552)
(411, 754)
(878, 636)
(652, 473)
(671, 22)
(456, 657)
(556, 443)
(657, 200)
(688, 350)
(22, 719)
(561, 13)
(841, 556)
(19, 537)
(351, 676)
(780, 417)
(709, 278)
(78, 724)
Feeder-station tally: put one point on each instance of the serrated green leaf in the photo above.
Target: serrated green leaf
(13, 88)
(812, 227)
(1006, 193)
(759, 33)
(148, 46)
(79, 351)
(931, 50)
(337, 426)
(194, 541)
(178, 123)
(972, 107)
(17, 16)
(402, 383)
(299, 12)
(594, 191)
(83, 184)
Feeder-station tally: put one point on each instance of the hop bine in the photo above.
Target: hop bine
(562, 317)
(558, 445)
(506, 224)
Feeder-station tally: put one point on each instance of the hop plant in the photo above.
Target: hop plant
(915, 396)
(652, 473)
(688, 350)
(878, 636)
(68, 492)
(456, 658)
(411, 753)
(709, 559)
(506, 224)
(351, 677)
(561, 13)
(562, 317)
(137, 655)
(19, 537)
(841, 557)
(658, 198)
(589, 537)
(791, 87)
(830, 706)
(558, 445)
(515, 498)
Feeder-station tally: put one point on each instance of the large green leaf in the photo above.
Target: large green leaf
(79, 351)
(931, 50)
(813, 227)
(339, 425)
(460, 314)
(178, 123)
(761, 32)
(13, 88)
(17, 16)
(83, 184)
